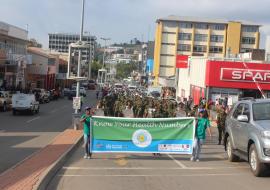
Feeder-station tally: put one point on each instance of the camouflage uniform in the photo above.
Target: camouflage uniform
(221, 118)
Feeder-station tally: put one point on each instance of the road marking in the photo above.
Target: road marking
(165, 175)
(151, 168)
(29, 121)
(177, 162)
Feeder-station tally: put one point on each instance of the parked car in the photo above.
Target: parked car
(41, 95)
(5, 100)
(24, 102)
(247, 134)
(54, 94)
(72, 93)
(66, 91)
(83, 91)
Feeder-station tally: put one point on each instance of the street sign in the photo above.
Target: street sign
(76, 103)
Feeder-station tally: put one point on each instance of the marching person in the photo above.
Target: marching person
(86, 120)
(203, 124)
(221, 118)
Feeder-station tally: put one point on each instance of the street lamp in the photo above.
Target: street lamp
(105, 42)
(103, 71)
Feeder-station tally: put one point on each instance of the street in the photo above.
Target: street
(144, 171)
(24, 134)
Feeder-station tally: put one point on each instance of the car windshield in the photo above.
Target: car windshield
(261, 111)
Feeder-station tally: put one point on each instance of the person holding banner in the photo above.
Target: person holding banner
(202, 125)
(86, 120)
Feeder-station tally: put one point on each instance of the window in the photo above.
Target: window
(246, 111)
(185, 36)
(184, 47)
(201, 37)
(216, 38)
(168, 32)
(245, 50)
(168, 44)
(248, 40)
(185, 25)
(238, 111)
(250, 28)
(215, 49)
(261, 111)
(217, 26)
(166, 55)
(199, 48)
(201, 26)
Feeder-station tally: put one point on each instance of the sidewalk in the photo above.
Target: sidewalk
(26, 174)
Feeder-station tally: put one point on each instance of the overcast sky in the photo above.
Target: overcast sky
(122, 20)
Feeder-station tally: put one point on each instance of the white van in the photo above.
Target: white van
(24, 102)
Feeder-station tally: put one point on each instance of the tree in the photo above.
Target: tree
(95, 66)
(123, 70)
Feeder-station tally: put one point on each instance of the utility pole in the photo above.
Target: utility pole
(104, 53)
(80, 55)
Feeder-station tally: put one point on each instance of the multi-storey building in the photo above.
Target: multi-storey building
(60, 41)
(13, 56)
(200, 37)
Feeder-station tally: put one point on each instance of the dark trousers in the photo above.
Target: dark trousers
(221, 131)
(87, 144)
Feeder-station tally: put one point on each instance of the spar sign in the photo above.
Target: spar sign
(245, 75)
(142, 135)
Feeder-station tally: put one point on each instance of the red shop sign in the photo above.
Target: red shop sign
(182, 61)
(245, 75)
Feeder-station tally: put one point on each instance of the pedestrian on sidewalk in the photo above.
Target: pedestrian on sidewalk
(221, 118)
(86, 120)
(202, 125)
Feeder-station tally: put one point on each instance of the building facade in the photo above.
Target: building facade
(13, 56)
(60, 42)
(44, 69)
(213, 79)
(200, 37)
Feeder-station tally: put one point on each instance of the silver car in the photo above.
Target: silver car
(247, 134)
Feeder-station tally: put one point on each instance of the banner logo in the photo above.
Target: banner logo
(141, 138)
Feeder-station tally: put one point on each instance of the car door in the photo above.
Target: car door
(234, 125)
(243, 129)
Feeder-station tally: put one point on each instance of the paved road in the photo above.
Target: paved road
(145, 172)
(22, 135)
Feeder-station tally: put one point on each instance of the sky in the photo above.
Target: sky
(123, 20)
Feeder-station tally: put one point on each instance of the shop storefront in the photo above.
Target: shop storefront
(215, 79)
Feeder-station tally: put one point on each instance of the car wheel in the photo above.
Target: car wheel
(257, 168)
(14, 112)
(231, 156)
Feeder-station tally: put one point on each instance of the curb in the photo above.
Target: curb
(50, 172)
